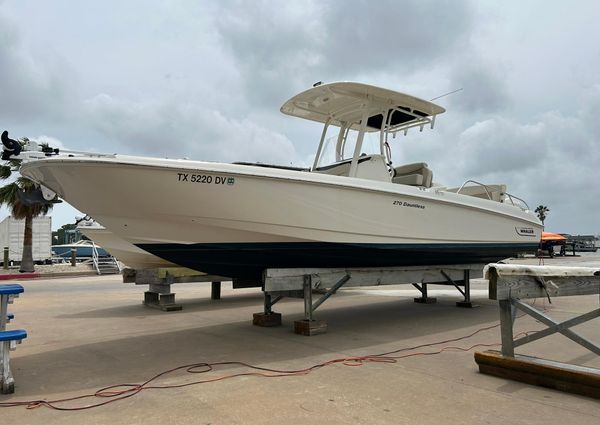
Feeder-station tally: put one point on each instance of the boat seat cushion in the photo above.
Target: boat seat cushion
(410, 168)
(410, 179)
(416, 174)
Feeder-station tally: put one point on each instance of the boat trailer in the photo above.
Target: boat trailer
(304, 283)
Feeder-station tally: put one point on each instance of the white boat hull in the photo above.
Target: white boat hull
(128, 254)
(237, 220)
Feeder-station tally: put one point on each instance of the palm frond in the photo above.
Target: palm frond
(5, 172)
(26, 184)
(14, 163)
(8, 195)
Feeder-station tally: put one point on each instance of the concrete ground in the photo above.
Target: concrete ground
(90, 332)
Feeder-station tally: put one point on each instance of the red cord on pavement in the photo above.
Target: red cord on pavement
(119, 392)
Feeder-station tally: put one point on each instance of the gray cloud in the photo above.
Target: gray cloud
(282, 45)
(484, 87)
(501, 145)
(504, 146)
(29, 86)
(274, 45)
(185, 130)
(552, 160)
(366, 35)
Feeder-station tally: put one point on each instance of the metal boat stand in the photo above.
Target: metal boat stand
(159, 281)
(304, 283)
(465, 283)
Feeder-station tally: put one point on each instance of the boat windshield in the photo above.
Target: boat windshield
(334, 151)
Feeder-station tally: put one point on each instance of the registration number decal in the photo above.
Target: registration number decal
(205, 179)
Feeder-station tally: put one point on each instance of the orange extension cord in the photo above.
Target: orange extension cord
(119, 392)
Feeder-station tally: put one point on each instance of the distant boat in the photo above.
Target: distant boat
(556, 237)
(585, 246)
(582, 243)
(84, 249)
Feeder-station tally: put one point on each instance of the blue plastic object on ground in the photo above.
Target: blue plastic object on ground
(11, 289)
(14, 335)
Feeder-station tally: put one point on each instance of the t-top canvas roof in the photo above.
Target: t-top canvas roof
(345, 102)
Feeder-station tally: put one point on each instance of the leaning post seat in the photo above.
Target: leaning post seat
(7, 294)
(16, 335)
(8, 342)
(11, 289)
(416, 174)
(8, 339)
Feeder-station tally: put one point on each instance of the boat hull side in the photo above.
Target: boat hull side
(127, 253)
(249, 260)
(235, 221)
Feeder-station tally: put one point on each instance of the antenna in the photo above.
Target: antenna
(446, 94)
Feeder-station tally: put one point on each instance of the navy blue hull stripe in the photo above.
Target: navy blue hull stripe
(248, 260)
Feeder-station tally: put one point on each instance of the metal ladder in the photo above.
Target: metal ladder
(105, 265)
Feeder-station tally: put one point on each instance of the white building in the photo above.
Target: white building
(11, 236)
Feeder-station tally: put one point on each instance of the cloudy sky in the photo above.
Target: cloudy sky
(205, 80)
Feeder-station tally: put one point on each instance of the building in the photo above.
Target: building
(11, 236)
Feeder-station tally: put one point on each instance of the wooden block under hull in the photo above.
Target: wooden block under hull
(310, 327)
(545, 373)
(266, 320)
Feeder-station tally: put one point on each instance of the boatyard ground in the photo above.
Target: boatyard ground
(87, 333)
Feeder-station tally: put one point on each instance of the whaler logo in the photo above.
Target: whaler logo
(525, 231)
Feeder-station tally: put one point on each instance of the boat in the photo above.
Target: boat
(581, 243)
(125, 252)
(84, 250)
(553, 237)
(553, 243)
(585, 246)
(352, 208)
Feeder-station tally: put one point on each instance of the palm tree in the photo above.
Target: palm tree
(9, 196)
(542, 212)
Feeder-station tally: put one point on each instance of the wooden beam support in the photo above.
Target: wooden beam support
(560, 327)
(519, 281)
(277, 280)
(546, 373)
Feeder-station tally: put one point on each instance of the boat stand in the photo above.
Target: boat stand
(159, 281)
(309, 326)
(509, 284)
(465, 283)
(268, 318)
(305, 283)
